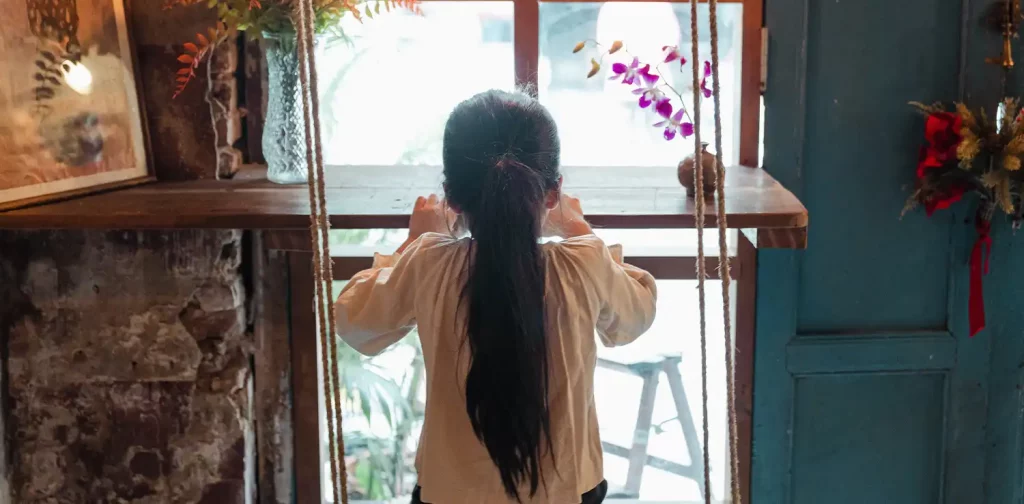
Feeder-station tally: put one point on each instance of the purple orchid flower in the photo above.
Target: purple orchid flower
(704, 82)
(673, 123)
(672, 53)
(629, 73)
(649, 90)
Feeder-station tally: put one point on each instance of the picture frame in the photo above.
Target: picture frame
(72, 117)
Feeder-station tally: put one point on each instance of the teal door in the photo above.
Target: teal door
(867, 386)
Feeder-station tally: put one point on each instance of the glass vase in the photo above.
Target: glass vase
(284, 132)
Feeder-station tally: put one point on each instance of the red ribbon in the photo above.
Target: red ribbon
(979, 267)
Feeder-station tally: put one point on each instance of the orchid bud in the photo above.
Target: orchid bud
(615, 47)
(578, 48)
(594, 68)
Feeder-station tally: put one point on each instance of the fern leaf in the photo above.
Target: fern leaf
(927, 110)
(1015, 146)
(966, 116)
(912, 202)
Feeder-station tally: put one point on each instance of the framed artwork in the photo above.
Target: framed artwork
(71, 116)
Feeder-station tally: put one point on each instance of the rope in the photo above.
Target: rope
(698, 210)
(723, 264)
(723, 253)
(323, 273)
(328, 264)
(319, 227)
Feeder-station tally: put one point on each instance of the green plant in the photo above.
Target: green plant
(371, 463)
(256, 17)
(379, 463)
(365, 385)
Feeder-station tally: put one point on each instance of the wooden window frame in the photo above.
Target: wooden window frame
(526, 52)
(288, 299)
(287, 472)
(526, 56)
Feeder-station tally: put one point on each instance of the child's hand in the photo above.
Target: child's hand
(431, 215)
(566, 219)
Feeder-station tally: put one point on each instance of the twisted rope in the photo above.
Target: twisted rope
(323, 274)
(723, 264)
(698, 211)
(723, 253)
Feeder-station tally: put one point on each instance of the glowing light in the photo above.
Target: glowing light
(77, 77)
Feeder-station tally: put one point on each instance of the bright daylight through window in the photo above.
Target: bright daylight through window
(385, 97)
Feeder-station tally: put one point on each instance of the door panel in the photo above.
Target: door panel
(865, 268)
(867, 386)
(862, 437)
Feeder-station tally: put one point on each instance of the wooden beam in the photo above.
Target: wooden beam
(382, 197)
(744, 330)
(526, 43)
(272, 375)
(750, 78)
(662, 268)
(305, 382)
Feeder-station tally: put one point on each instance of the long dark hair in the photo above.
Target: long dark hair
(500, 161)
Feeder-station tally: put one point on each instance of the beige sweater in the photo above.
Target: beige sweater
(587, 287)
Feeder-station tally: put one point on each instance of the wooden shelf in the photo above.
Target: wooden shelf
(381, 197)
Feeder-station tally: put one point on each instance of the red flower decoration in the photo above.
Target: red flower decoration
(942, 130)
(927, 159)
(943, 200)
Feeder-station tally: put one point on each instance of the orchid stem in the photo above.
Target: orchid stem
(661, 74)
(682, 103)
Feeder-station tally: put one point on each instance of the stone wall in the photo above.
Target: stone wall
(126, 355)
(128, 367)
(194, 135)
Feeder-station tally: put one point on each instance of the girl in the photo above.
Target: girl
(506, 323)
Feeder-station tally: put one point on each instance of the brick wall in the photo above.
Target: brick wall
(128, 370)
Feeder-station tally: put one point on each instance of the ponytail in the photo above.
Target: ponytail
(501, 157)
(507, 384)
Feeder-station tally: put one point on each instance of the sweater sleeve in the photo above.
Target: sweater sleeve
(377, 306)
(627, 294)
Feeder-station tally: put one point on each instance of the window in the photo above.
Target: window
(384, 411)
(599, 121)
(387, 92)
(385, 98)
(384, 400)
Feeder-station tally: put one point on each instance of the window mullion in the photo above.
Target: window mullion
(526, 43)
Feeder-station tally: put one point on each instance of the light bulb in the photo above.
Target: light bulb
(77, 77)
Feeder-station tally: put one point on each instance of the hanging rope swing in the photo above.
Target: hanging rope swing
(723, 255)
(319, 226)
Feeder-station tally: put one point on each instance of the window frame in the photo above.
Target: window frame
(526, 53)
(526, 58)
(288, 299)
(287, 346)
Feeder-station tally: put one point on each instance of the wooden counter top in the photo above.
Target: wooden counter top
(382, 197)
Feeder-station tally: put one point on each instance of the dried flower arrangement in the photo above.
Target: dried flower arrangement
(967, 153)
(947, 167)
